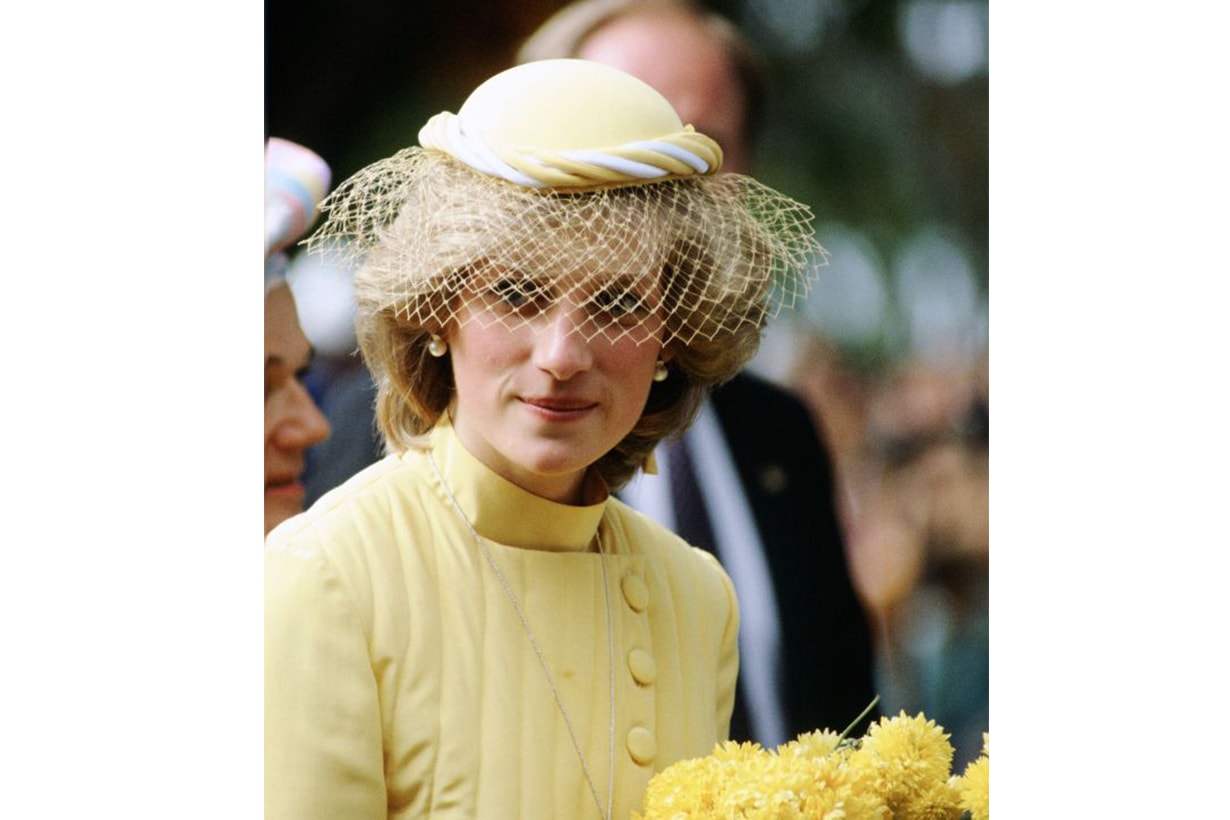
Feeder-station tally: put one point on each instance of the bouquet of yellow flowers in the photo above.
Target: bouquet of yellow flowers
(900, 770)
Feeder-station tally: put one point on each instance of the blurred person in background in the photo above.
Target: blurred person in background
(921, 546)
(296, 179)
(338, 379)
(761, 495)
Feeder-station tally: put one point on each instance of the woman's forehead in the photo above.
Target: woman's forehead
(602, 258)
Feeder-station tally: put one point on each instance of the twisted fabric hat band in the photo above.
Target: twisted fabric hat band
(680, 154)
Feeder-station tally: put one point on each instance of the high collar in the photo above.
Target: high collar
(503, 512)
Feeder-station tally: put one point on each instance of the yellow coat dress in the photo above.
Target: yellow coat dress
(400, 681)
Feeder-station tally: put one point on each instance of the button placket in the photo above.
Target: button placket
(642, 746)
(636, 593)
(639, 695)
(642, 666)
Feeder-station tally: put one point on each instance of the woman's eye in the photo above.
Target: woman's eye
(619, 304)
(516, 294)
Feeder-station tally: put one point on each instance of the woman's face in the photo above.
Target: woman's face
(292, 421)
(551, 374)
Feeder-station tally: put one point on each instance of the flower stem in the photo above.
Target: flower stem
(859, 719)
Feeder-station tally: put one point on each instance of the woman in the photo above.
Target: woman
(473, 626)
(295, 180)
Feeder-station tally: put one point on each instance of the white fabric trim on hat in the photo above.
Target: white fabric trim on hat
(474, 151)
(448, 132)
(632, 168)
(675, 152)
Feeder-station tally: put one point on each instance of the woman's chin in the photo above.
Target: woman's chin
(281, 506)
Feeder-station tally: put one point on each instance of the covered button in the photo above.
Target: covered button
(642, 666)
(641, 745)
(635, 592)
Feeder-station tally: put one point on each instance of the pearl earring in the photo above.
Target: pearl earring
(660, 372)
(437, 346)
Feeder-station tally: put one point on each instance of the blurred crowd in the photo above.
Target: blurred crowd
(910, 447)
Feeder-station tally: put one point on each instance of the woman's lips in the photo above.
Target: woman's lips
(284, 486)
(559, 408)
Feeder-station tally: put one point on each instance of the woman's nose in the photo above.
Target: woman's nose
(560, 346)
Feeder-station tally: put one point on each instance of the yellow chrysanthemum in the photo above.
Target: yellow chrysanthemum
(836, 795)
(941, 801)
(684, 789)
(903, 757)
(975, 784)
(899, 771)
(813, 745)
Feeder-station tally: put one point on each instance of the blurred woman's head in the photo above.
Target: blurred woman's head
(295, 180)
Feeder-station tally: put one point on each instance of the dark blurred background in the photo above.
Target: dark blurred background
(878, 119)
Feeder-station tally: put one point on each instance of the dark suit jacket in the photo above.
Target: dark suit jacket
(787, 475)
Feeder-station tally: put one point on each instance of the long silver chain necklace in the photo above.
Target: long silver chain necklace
(542, 660)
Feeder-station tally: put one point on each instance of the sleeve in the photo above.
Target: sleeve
(728, 652)
(323, 739)
(728, 664)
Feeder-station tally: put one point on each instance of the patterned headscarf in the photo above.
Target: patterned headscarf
(296, 180)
